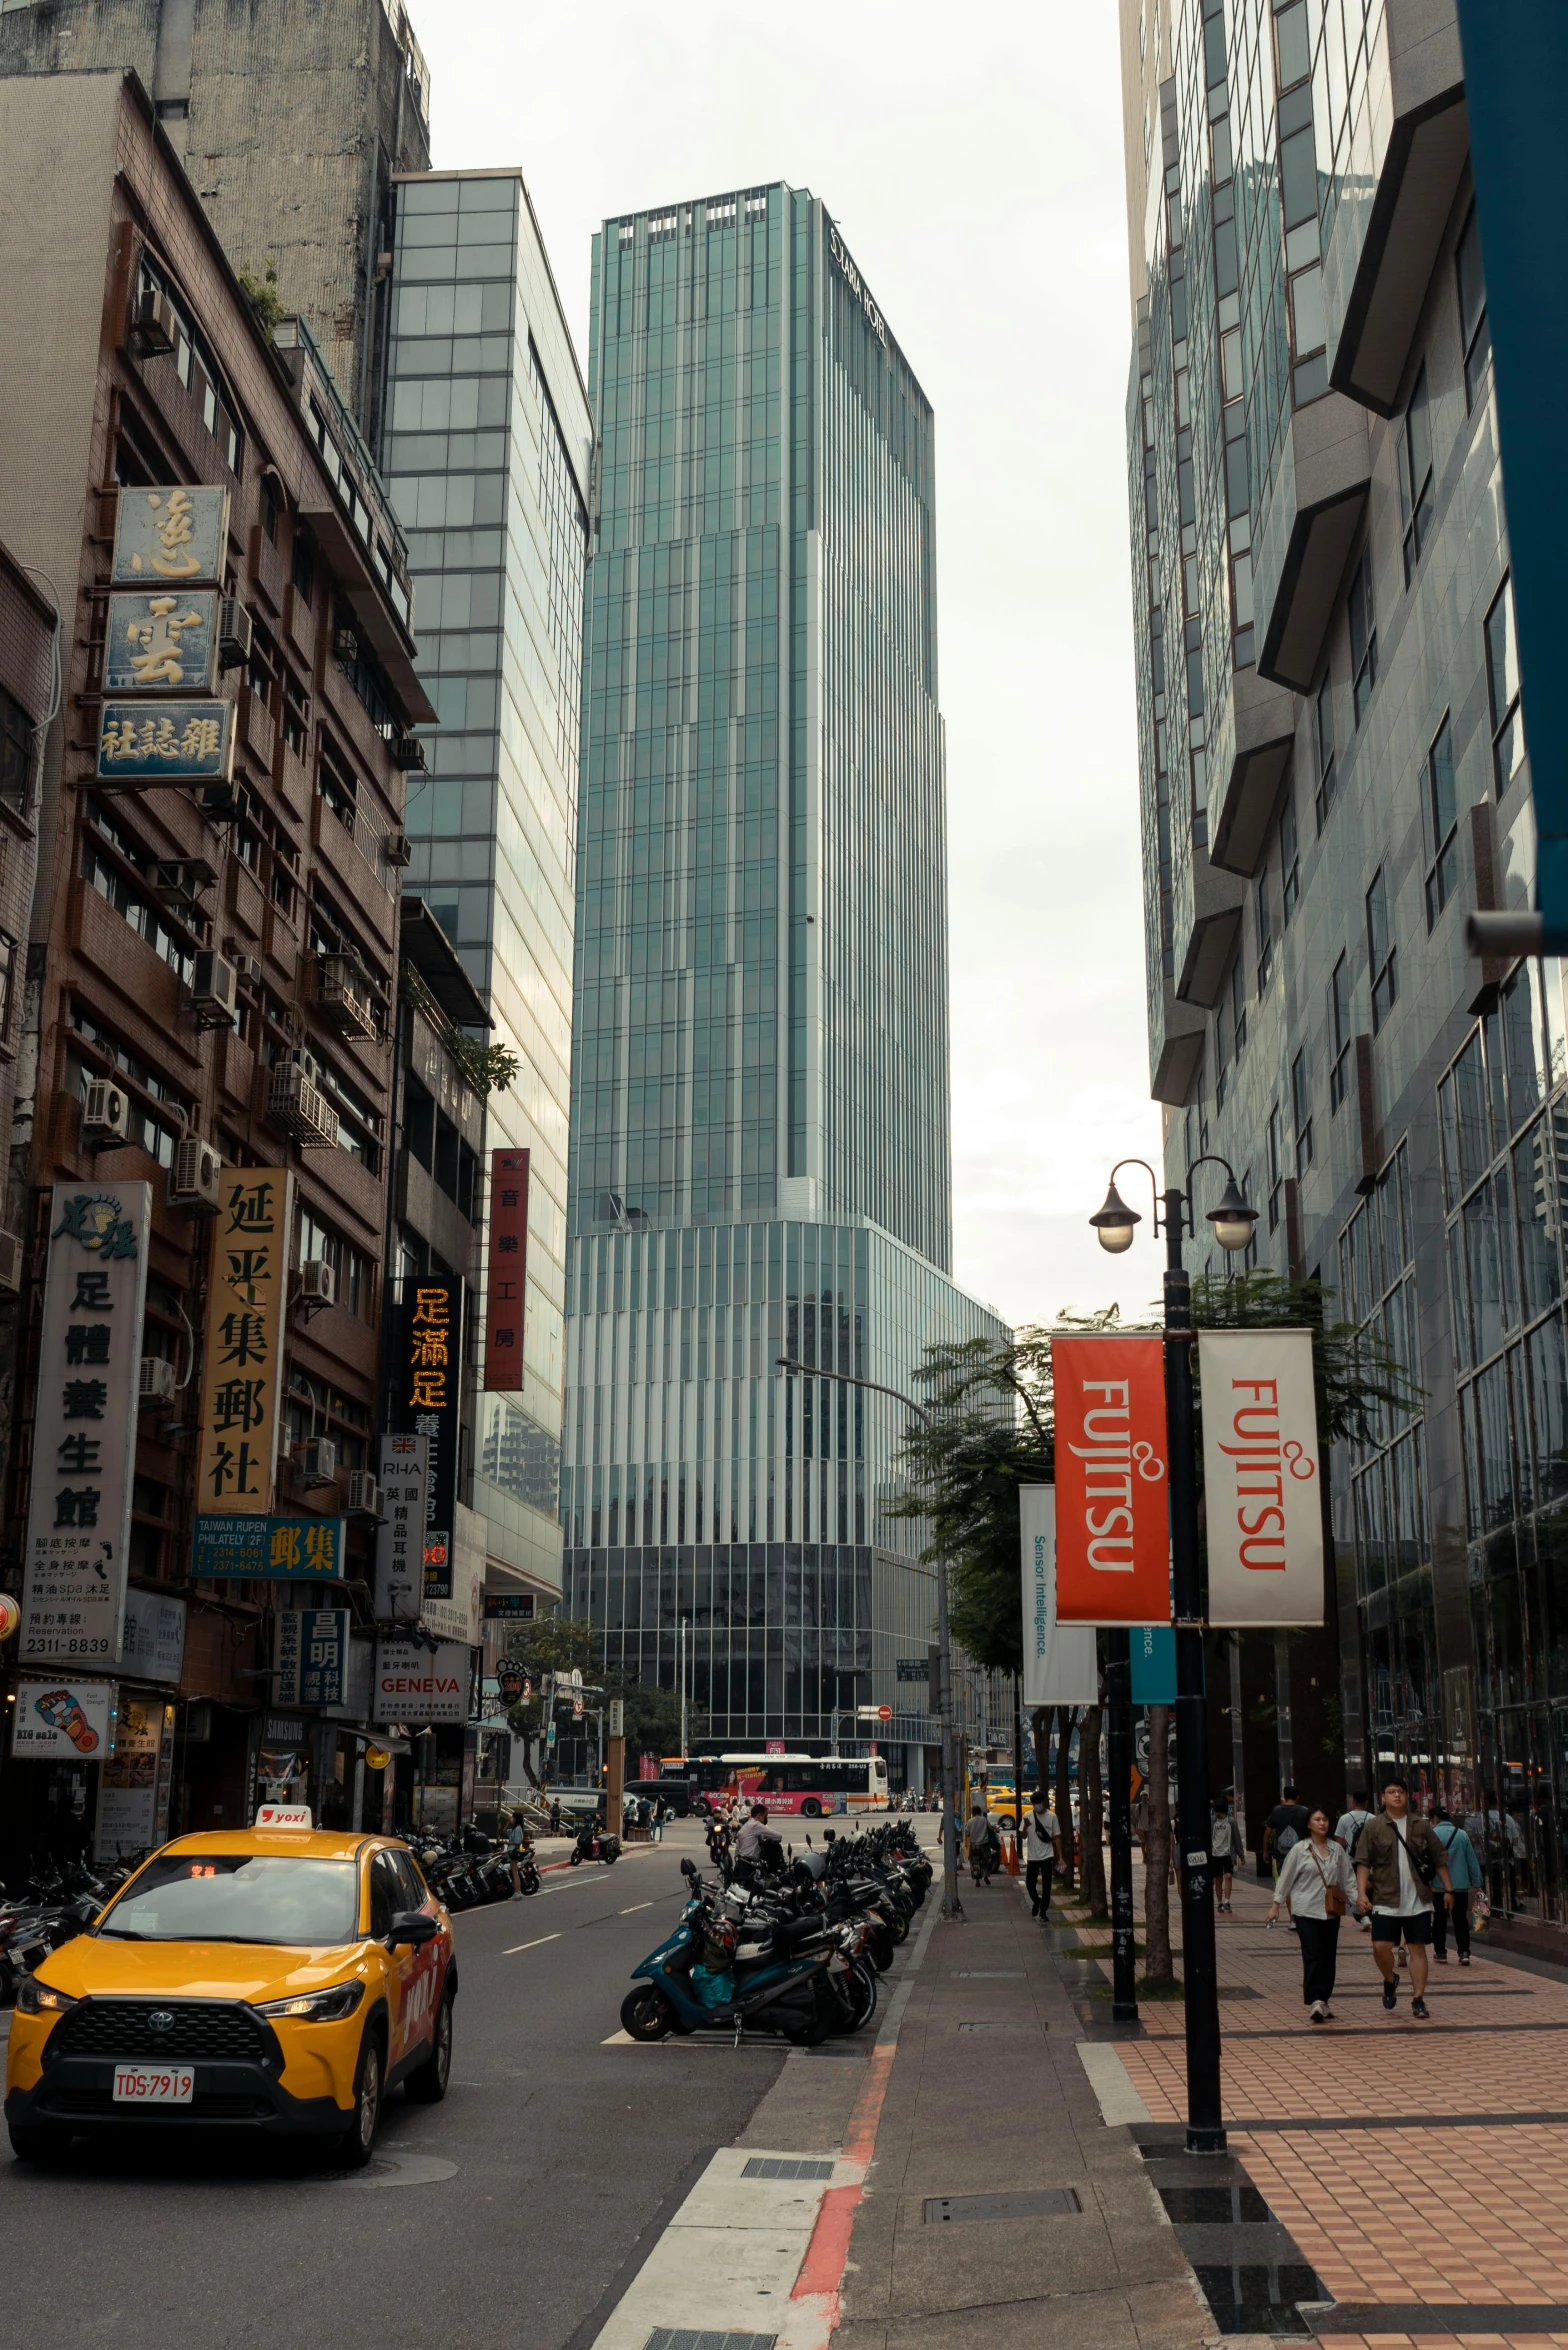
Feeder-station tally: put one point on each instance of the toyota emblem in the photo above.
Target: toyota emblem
(161, 2020)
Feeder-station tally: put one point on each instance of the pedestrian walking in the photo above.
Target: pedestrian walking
(555, 1815)
(1348, 1827)
(1397, 1859)
(1464, 1868)
(658, 1819)
(1316, 1887)
(981, 1839)
(519, 1847)
(1043, 1846)
(1287, 1824)
(1222, 1851)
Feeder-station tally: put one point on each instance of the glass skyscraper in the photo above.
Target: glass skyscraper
(760, 1110)
(486, 446)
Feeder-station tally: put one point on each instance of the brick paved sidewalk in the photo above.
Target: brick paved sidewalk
(1416, 2165)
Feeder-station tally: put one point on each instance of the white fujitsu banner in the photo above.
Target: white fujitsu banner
(1060, 1662)
(1262, 1478)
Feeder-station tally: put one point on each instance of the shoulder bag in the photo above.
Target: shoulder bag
(1333, 1895)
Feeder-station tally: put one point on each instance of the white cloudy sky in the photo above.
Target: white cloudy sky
(973, 160)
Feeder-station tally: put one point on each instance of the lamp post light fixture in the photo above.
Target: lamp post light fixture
(1233, 1221)
(952, 1907)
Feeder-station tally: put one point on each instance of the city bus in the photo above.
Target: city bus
(807, 1785)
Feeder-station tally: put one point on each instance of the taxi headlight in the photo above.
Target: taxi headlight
(35, 1998)
(318, 2007)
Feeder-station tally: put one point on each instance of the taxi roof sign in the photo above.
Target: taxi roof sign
(284, 1815)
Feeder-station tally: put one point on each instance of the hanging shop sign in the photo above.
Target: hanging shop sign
(133, 1788)
(179, 742)
(161, 642)
(1061, 1665)
(279, 1550)
(173, 532)
(84, 1436)
(460, 1615)
(429, 1378)
(312, 1656)
(1263, 1507)
(153, 1648)
(244, 1371)
(402, 1472)
(1112, 1489)
(509, 1606)
(414, 1684)
(63, 1721)
(505, 1293)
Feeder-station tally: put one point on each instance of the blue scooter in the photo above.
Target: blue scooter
(673, 1991)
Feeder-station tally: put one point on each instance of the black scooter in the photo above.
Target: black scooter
(596, 1843)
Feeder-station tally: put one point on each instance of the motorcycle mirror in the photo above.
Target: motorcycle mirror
(687, 1870)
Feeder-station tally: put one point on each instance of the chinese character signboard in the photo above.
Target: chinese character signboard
(178, 742)
(504, 1300)
(1262, 1491)
(284, 1550)
(162, 643)
(245, 1301)
(84, 1437)
(1112, 1491)
(402, 1473)
(153, 1648)
(428, 1369)
(133, 1790)
(459, 1615)
(63, 1721)
(312, 1657)
(413, 1685)
(515, 1607)
(1061, 1661)
(175, 533)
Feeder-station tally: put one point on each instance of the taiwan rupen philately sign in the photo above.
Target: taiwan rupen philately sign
(429, 1373)
(280, 1550)
(1263, 1507)
(403, 1476)
(1061, 1662)
(84, 1437)
(1112, 1490)
(505, 1296)
(245, 1301)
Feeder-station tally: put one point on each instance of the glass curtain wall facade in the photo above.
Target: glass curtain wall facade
(1332, 774)
(487, 448)
(760, 1112)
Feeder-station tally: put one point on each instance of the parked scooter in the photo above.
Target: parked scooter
(696, 1980)
(595, 1843)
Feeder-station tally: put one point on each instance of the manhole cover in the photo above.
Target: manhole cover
(395, 2170)
(1025, 2203)
(989, 2027)
(786, 2166)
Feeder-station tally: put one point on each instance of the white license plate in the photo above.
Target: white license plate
(139, 2084)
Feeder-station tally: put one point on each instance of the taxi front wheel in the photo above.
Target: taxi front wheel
(355, 2146)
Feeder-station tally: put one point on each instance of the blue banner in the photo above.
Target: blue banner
(1153, 1664)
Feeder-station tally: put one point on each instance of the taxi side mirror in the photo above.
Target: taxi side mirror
(412, 1925)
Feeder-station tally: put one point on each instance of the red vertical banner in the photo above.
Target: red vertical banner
(506, 1294)
(1112, 1487)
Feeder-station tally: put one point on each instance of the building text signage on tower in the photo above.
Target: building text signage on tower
(506, 1292)
(1112, 1490)
(856, 284)
(174, 535)
(1263, 1506)
(84, 1436)
(245, 1301)
(166, 642)
(161, 639)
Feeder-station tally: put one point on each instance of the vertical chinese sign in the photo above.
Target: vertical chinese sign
(429, 1372)
(244, 1373)
(84, 1437)
(1263, 1506)
(506, 1294)
(312, 1656)
(402, 1475)
(1112, 1490)
(161, 640)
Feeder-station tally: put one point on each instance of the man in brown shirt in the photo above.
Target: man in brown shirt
(1396, 1859)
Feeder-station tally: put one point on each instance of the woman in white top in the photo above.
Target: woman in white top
(1317, 1885)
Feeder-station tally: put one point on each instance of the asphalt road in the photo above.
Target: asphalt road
(552, 2154)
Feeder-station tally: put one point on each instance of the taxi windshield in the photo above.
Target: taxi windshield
(237, 1897)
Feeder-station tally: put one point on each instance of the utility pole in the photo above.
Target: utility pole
(615, 1783)
(1118, 1691)
(681, 1672)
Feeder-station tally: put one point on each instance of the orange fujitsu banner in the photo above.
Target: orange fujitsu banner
(1112, 1491)
(506, 1295)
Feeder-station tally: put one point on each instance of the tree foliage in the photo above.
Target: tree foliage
(563, 1644)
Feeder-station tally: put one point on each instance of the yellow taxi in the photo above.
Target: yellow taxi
(276, 1979)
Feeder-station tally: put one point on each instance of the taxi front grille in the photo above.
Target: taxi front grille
(124, 2028)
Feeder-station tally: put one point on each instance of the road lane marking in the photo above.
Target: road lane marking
(635, 1907)
(517, 1946)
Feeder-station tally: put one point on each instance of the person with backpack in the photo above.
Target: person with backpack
(1316, 1887)
(1398, 1860)
(1350, 1823)
(1044, 1852)
(1465, 1870)
(1222, 1851)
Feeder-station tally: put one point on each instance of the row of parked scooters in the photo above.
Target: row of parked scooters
(797, 1954)
(53, 1908)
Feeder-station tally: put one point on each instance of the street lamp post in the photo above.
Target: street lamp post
(952, 1907)
(1233, 1222)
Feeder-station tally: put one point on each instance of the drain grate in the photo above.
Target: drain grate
(683, 2338)
(1221, 2207)
(785, 2166)
(989, 1975)
(1025, 2203)
(1259, 2297)
(1000, 2027)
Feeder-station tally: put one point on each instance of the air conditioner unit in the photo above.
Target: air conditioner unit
(364, 1494)
(247, 967)
(234, 634)
(198, 1721)
(215, 990)
(196, 1178)
(178, 882)
(315, 1461)
(156, 1381)
(317, 1282)
(346, 646)
(106, 1114)
(154, 328)
(398, 849)
(300, 1108)
(408, 751)
(344, 996)
(10, 1261)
